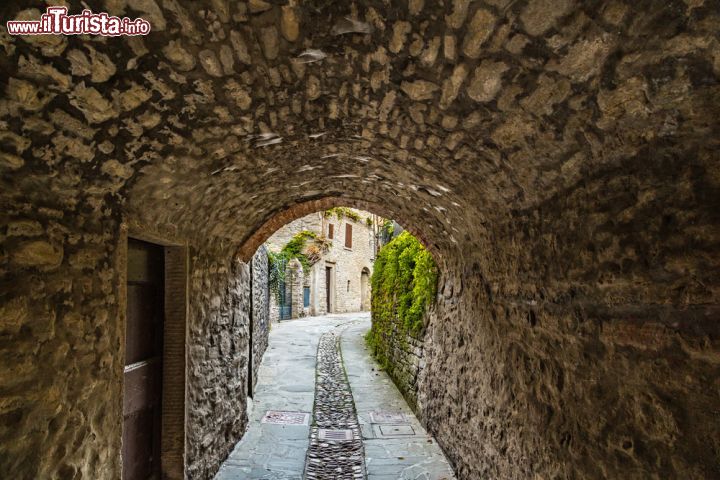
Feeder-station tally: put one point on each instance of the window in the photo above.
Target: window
(331, 230)
(348, 235)
(306, 297)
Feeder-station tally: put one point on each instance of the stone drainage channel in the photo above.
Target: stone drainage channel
(336, 446)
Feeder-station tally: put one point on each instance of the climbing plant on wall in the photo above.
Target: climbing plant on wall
(276, 272)
(387, 230)
(341, 212)
(404, 282)
(306, 246)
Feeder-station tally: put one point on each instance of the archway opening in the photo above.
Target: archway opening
(330, 256)
(322, 262)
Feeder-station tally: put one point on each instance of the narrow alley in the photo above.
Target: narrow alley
(276, 442)
(270, 239)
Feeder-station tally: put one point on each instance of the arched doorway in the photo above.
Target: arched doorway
(365, 289)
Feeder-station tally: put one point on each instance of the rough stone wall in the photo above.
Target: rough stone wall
(60, 375)
(261, 309)
(217, 360)
(274, 309)
(402, 354)
(294, 279)
(318, 294)
(582, 342)
(279, 239)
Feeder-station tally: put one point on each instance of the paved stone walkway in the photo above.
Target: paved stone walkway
(286, 383)
(336, 442)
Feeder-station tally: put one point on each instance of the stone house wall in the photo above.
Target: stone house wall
(217, 366)
(294, 280)
(318, 295)
(274, 310)
(282, 236)
(347, 264)
(218, 353)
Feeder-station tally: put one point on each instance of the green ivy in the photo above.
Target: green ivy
(404, 282)
(341, 212)
(387, 230)
(276, 273)
(295, 248)
(373, 340)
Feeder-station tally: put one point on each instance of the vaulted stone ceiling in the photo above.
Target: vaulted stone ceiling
(450, 112)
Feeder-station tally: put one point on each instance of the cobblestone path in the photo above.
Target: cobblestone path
(336, 446)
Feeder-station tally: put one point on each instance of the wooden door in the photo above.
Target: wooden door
(143, 362)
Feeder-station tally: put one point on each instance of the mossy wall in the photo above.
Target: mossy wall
(403, 289)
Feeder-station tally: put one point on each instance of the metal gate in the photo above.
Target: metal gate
(284, 290)
(285, 300)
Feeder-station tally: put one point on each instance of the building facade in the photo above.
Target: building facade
(339, 280)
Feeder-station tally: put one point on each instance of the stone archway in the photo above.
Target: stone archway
(261, 231)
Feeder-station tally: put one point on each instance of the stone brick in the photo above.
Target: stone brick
(540, 15)
(486, 81)
(419, 89)
(479, 30)
(38, 253)
(13, 315)
(290, 23)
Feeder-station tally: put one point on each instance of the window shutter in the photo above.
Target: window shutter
(348, 235)
(331, 230)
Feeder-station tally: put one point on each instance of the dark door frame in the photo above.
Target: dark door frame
(143, 364)
(174, 354)
(329, 271)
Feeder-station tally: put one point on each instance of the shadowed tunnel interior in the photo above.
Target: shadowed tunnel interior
(559, 159)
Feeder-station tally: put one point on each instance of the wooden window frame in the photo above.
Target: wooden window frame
(348, 236)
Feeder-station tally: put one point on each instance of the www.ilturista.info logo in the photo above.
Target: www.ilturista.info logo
(56, 21)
